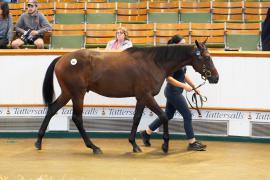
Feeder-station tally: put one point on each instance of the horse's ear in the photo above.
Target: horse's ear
(204, 42)
(197, 44)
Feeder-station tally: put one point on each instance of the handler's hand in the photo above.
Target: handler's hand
(188, 88)
(197, 91)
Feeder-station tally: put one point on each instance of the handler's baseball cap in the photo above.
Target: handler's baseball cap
(32, 2)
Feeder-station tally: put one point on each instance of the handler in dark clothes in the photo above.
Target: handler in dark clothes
(176, 101)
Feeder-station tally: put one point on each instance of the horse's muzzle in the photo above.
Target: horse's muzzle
(213, 79)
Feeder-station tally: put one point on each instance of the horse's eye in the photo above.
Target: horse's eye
(198, 53)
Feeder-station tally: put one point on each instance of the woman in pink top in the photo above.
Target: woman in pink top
(121, 41)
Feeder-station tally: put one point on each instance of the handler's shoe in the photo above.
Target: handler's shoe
(145, 138)
(196, 146)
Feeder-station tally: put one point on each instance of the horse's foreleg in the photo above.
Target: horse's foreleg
(77, 119)
(52, 109)
(153, 106)
(136, 121)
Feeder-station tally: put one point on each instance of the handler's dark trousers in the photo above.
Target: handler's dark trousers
(176, 101)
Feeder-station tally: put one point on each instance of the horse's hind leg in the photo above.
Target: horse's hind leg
(136, 121)
(77, 119)
(52, 109)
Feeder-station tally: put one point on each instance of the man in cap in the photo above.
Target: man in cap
(31, 27)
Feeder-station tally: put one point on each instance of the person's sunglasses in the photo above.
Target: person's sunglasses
(30, 5)
(119, 32)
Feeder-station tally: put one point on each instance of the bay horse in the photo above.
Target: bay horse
(135, 72)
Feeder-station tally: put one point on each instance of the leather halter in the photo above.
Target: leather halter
(206, 72)
(204, 76)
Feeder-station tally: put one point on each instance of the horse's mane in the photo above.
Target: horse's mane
(161, 54)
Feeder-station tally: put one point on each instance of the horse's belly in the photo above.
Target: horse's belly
(113, 90)
(114, 94)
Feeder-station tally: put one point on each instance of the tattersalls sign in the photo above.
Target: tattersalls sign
(27, 111)
(262, 116)
(240, 123)
(67, 111)
(129, 112)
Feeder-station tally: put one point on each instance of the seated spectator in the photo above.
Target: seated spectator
(121, 41)
(6, 26)
(31, 27)
(266, 32)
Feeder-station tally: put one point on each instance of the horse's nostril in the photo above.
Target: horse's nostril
(213, 80)
(216, 79)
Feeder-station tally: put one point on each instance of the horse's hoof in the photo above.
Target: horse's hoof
(165, 148)
(97, 151)
(38, 145)
(137, 149)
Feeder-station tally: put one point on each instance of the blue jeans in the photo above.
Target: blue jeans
(176, 101)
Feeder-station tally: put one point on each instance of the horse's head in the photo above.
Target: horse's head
(202, 63)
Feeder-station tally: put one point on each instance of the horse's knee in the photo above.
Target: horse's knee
(136, 123)
(51, 110)
(75, 116)
(77, 119)
(137, 117)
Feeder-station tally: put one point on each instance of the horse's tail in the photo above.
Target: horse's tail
(47, 89)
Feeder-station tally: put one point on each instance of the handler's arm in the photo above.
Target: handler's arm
(190, 82)
(176, 83)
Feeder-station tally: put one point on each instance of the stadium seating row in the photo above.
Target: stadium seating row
(220, 35)
(149, 12)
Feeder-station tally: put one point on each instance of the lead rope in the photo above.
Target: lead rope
(195, 100)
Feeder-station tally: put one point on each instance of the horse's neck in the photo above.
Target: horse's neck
(176, 64)
(179, 58)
